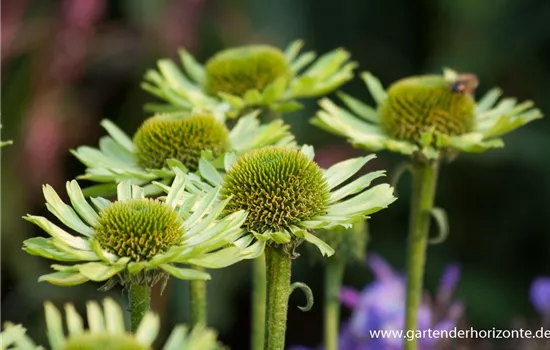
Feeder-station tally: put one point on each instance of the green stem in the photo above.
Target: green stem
(198, 301)
(278, 269)
(258, 303)
(140, 302)
(424, 184)
(334, 273)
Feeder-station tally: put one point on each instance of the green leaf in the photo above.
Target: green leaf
(440, 216)
(375, 87)
(185, 274)
(66, 279)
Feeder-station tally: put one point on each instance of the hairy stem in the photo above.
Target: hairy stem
(198, 301)
(334, 273)
(258, 303)
(424, 185)
(139, 296)
(278, 269)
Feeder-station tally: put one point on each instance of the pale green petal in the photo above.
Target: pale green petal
(118, 135)
(324, 248)
(148, 329)
(219, 259)
(292, 50)
(286, 106)
(340, 172)
(175, 192)
(360, 108)
(277, 237)
(235, 102)
(101, 203)
(96, 321)
(114, 319)
(301, 61)
(58, 233)
(308, 151)
(209, 172)
(39, 246)
(472, 142)
(375, 87)
(252, 97)
(75, 325)
(65, 279)
(15, 335)
(79, 203)
(368, 202)
(99, 271)
(202, 207)
(192, 67)
(356, 186)
(274, 91)
(185, 274)
(64, 212)
(54, 326)
(124, 191)
(488, 100)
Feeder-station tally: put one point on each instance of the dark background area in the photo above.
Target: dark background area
(68, 64)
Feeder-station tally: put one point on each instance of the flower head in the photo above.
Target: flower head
(106, 331)
(238, 70)
(426, 116)
(162, 137)
(137, 239)
(170, 140)
(239, 78)
(287, 195)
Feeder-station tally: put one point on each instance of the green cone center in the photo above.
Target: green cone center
(421, 104)
(277, 186)
(237, 70)
(161, 138)
(138, 228)
(104, 341)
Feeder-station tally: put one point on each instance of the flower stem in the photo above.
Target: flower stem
(278, 269)
(334, 273)
(423, 193)
(140, 302)
(198, 301)
(258, 303)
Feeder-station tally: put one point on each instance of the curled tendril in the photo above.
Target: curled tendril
(400, 170)
(308, 293)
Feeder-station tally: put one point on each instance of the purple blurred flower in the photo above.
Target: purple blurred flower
(381, 306)
(540, 295)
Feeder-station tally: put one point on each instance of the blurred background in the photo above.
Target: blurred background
(68, 64)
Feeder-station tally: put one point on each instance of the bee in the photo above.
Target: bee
(465, 83)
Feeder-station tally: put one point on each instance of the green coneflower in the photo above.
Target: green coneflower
(239, 78)
(137, 241)
(170, 140)
(426, 116)
(430, 118)
(287, 196)
(106, 330)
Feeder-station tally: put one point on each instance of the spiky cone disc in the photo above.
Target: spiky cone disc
(183, 138)
(238, 70)
(423, 104)
(277, 186)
